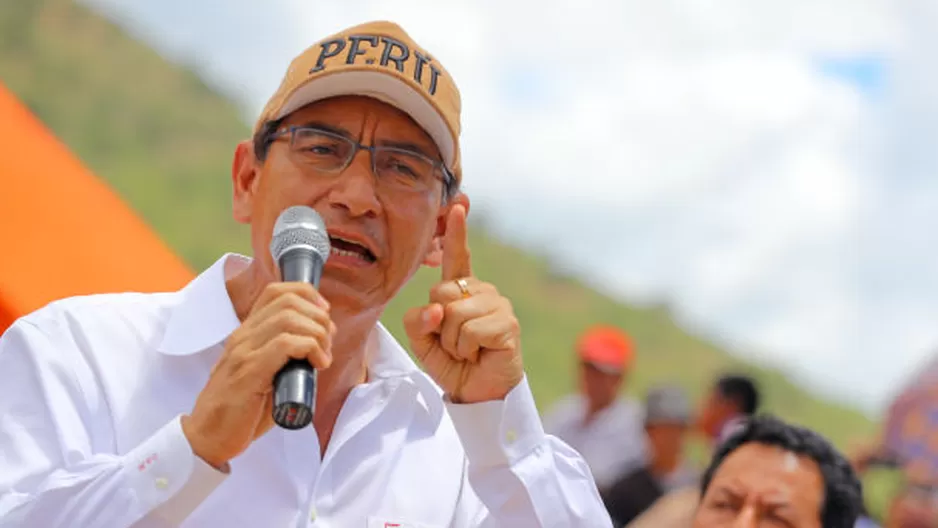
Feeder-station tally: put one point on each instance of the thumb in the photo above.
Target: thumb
(421, 323)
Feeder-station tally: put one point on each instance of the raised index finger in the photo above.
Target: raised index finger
(456, 263)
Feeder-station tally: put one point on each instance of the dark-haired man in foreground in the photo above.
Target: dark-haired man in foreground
(770, 473)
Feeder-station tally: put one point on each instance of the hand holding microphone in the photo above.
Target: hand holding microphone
(287, 334)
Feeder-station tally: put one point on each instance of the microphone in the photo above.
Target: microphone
(300, 247)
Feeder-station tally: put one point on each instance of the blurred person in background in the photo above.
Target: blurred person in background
(770, 473)
(915, 505)
(731, 400)
(886, 469)
(724, 409)
(667, 422)
(604, 427)
(910, 488)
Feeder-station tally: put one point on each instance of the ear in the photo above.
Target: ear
(244, 180)
(434, 256)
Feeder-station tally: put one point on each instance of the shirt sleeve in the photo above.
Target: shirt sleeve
(517, 474)
(53, 472)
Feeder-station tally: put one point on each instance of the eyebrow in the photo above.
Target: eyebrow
(404, 145)
(780, 506)
(727, 492)
(339, 131)
(733, 487)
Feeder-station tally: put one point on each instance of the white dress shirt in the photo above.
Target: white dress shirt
(613, 443)
(730, 427)
(91, 393)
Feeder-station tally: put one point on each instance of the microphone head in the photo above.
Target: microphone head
(300, 226)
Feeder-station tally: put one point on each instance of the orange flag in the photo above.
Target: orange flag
(63, 231)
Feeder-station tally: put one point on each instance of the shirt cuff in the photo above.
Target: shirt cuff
(168, 479)
(500, 432)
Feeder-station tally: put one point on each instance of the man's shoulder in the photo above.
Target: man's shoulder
(629, 404)
(567, 405)
(101, 306)
(84, 338)
(86, 319)
(630, 411)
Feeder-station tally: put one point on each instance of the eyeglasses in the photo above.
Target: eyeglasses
(396, 169)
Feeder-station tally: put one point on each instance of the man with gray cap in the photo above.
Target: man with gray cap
(667, 420)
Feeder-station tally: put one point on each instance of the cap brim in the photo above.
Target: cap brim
(605, 368)
(385, 88)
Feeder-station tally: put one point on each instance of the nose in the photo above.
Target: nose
(354, 190)
(747, 518)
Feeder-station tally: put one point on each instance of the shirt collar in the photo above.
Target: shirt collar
(204, 317)
(730, 427)
(387, 360)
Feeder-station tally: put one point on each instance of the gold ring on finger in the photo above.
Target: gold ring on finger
(464, 288)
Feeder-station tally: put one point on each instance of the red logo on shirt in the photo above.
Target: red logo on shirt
(148, 461)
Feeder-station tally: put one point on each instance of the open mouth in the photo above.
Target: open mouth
(347, 248)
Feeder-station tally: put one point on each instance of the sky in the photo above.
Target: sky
(766, 168)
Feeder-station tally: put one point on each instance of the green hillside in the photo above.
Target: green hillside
(164, 140)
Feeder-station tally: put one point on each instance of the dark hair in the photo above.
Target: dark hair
(264, 137)
(741, 390)
(843, 493)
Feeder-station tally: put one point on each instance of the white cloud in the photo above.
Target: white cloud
(696, 146)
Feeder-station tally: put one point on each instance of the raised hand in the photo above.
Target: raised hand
(467, 338)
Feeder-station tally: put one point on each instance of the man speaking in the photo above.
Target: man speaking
(155, 410)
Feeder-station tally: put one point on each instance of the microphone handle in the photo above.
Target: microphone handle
(294, 394)
(295, 383)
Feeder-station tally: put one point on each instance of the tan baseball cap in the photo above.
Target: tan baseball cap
(378, 60)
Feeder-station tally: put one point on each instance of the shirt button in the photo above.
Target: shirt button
(511, 436)
(161, 483)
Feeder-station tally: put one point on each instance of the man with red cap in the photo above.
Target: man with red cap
(606, 429)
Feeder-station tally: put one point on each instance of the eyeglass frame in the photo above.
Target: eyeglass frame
(273, 132)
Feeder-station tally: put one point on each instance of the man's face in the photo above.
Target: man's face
(599, 386)
(667, 439)
(763, 486)
(714, 411)
(401, 229)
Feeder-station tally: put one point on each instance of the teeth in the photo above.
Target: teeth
(360, 254)
(347, 241)
(346, 253)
